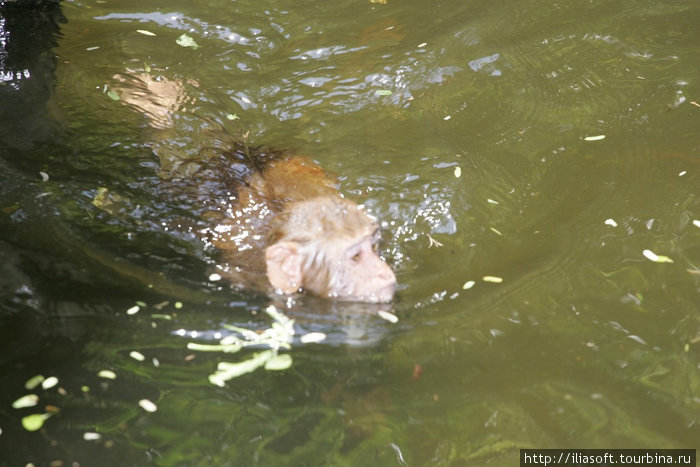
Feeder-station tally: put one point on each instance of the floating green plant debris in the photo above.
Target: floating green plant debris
(186, 41)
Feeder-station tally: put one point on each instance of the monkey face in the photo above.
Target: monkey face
(362, 275)
(332, 253)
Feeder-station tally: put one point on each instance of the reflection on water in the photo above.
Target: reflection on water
(585, 342)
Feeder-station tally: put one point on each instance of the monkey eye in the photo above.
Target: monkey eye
(355, 253)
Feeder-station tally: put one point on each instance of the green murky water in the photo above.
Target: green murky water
(546, 144)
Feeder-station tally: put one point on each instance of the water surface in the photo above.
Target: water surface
(546, 145)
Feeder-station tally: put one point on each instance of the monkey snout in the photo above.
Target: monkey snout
(386, 285)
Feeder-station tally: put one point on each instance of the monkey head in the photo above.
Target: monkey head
(328, 247)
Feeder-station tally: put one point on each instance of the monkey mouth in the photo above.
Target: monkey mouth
(383, 295)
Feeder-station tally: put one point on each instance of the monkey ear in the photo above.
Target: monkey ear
(284, 266)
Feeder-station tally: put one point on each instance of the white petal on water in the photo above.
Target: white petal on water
(385, 315)
(493, 279)
(468, 285)
(133, 310)
(30, 400)
(137, 356)
(611, 222)
(91, 436)
(651, 256)
(637, 339)
(313, 337)
(147, 405)
(49, 382)
(107, 374)
(594, 138)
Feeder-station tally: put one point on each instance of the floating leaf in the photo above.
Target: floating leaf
(33, 382)
(493, 279)
(232, 116)
(107, 374)
(113, 95)
(385, 315)
(594, 138)
(145, 32)
(611, 222)
(49, 382)
(279, 362)
(35, 422)
(147, 405)
(226, 371)
(186, 41)
(651, 256)
(30, 400)
(383, 92)
(161, 316)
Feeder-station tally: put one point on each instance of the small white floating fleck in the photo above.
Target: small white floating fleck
(44, 176)
(133, 310)
(447, 117)
(594, 138)
(108, 374)
(385, 315)
(147, 405)
(491, 201)
(496, 231)
(651, 256)
(468, 285)
(458, 172)
(637, 339)
(145, 33)
(422, 44)
(696, 223)
(90, 49)
(178, 305)
(493, 279)
(683, 172)
(137, 356)
(91, 436)
(215, 277)
(49, 382)
(313, 337)
(611, 222)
